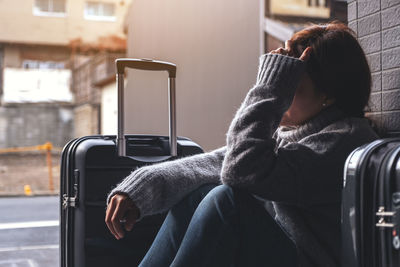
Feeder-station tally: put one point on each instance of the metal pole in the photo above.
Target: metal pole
(49, 146)
(121, 144)
(172, 116)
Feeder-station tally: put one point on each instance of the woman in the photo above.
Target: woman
(285, 152)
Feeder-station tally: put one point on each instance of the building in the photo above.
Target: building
(282, 18)
(95, 83)
(42, 42)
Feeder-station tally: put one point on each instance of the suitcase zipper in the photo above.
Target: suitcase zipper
(69, 201)
(72, 202)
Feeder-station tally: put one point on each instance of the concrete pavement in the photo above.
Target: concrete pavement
(29, 231)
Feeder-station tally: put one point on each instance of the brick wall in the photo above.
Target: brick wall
(377, 25)
(31, 125)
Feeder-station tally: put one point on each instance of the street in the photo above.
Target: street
(29, 231)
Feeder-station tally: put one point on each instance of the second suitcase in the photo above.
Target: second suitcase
(371, 206)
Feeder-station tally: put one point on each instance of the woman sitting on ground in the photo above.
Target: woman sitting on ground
(272, 195)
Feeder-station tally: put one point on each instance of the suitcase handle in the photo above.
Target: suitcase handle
(146, 64)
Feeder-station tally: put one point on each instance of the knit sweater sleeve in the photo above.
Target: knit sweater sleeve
(156, 188)
(250, 161)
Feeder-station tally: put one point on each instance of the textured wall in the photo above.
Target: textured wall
(30, 125)
(377, 24)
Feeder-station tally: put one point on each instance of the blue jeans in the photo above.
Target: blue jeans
(220, 226)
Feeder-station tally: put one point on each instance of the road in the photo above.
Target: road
(29, 232)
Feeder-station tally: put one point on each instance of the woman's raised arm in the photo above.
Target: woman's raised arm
(250, 159)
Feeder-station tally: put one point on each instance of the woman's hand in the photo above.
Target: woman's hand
(121, 210)
(286, 51)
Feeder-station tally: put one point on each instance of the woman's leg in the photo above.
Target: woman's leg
(169, 237)
(231, 228)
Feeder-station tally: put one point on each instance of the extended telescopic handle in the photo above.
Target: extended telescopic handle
(146, 64)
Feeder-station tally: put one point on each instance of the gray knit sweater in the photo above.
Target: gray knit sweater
(297, 169)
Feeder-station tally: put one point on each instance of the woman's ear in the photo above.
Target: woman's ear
(328, 101)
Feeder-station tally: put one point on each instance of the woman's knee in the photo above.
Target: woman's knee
(228, 193)
(226, 199)
(221, 196)
(221, 192)
(192, 200)
(200, 193)
(205, 197)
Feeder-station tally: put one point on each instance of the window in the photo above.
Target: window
(35, 64)
(100, 11)
(318, 3)
(49, 8)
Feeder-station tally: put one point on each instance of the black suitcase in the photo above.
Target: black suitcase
(371, 203)
(92, 165)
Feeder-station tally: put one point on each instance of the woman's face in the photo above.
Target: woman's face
(306, 104)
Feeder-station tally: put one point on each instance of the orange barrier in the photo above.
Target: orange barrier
(48, 147)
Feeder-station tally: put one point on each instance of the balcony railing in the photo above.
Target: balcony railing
(95, 72)
(317, 3)
(104, 68)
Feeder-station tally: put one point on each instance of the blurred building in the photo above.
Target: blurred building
(96, 95)
(282, 18)
(41, 43)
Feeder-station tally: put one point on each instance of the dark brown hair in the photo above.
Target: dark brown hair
(337, 65)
